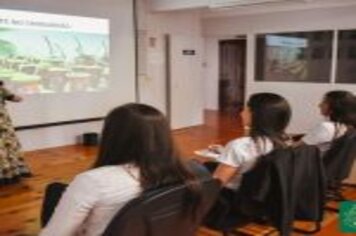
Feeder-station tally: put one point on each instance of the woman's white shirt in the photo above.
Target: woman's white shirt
(323, 134)
(243, 154)
(91, 201)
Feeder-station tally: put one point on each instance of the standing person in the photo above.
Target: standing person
(136, 154)
(12, 164)
(335, 108)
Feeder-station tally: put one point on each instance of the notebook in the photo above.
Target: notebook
(207, 153)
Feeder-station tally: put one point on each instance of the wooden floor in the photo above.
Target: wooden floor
(20, 203)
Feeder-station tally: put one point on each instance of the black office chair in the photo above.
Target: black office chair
(285, 185)
(162, 213)
(338, 162)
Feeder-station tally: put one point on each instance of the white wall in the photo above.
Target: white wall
(185, 32)
(304, 97)
(211, 73)
(56, 136)
(120, 15)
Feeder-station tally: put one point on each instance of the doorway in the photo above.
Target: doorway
(232, 73)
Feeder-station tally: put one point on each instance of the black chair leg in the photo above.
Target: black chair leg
(335, 194)
(348, 185)
(236, 233)
(230, 232)
(226, 233)
(332, 209)
(313, 231)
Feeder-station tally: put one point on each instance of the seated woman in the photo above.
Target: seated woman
(266, 115)
(265, 118)
(136, 154)
(335, 109)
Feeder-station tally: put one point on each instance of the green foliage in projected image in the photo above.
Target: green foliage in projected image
(7, 48)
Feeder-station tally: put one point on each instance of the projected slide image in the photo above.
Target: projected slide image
(46, 53)
(284, 58)
(294, 56)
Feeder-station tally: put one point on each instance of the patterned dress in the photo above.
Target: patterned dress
(12, 165)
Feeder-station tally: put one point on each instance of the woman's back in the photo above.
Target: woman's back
(136, 153)
(244, 153)
(92, 200)
(323, 134)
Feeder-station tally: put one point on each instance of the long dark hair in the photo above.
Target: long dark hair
(336, 101)
(339, 104)
(270, 116)
(349, 114)
(140, 135)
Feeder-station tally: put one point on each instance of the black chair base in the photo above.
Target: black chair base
(232, 229)
(335, 194)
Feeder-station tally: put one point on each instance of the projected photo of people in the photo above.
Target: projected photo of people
(52, 57)
(294, 57)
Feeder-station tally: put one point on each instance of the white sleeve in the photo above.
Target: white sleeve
(235, 154)
(322, 133)
(73, 208)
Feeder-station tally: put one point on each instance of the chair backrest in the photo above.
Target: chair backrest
(162, 212)
(286, 184)
(309, 184)
(338, 160)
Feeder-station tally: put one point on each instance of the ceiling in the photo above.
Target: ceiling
(276, 7)
(279, 6)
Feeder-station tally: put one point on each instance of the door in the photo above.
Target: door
(186, 90)
(232, 70)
